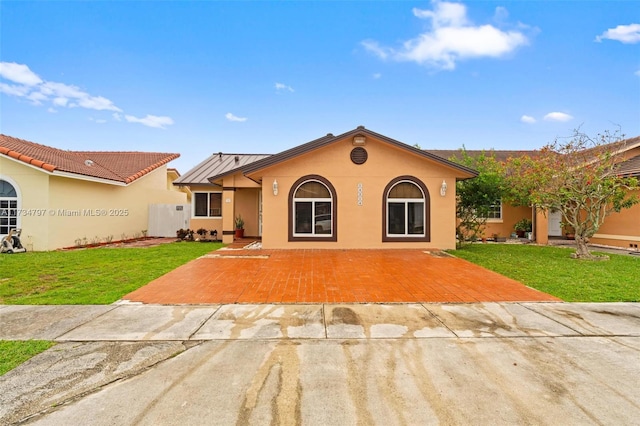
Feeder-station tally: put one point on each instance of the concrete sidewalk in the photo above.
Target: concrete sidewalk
(325, 364)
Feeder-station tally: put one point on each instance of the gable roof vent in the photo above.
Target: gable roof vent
(359, 155)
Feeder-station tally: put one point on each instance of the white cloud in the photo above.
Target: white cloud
(60, 101)
(78, 97)
(38, 91)
(528, 119)
(150, 121)
(232, 117)
(373, 47)
(36, 97)
(14, 90)
(637, 73)
(451, 38)
(557, 116)
(28, 85)
(445, 14)
(19, 73)
(51, 88)
(97, 120)
(628, 34)
(376, 76)
(281, 86)
(98, 103)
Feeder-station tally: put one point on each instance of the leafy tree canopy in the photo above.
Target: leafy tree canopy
(577, 176)
(477, 196)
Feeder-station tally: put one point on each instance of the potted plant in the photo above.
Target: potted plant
(202, 232)
(239, 227)
(570, 233)
(182, 234)
(522, 226)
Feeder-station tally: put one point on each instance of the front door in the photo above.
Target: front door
(555, 223)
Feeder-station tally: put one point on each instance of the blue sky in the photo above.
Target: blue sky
(260, 77)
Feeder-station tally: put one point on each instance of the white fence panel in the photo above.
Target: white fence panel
(166, 219)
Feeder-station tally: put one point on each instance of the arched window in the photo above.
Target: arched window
(312, 210)
(406, 210)
(8, 207)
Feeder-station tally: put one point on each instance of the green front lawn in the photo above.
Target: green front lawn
(14, 353)
(91, 276)
(551, 270)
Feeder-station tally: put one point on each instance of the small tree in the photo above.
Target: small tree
(476, 196)
(577, 177)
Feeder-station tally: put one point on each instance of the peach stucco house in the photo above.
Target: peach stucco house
(619, 229)
(503, 216)
(58, 197)
(359, 189)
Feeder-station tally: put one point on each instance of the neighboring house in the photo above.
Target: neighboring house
(206, 197)
(503, 216)
(619, 229)
(359, 189)
(60, 197)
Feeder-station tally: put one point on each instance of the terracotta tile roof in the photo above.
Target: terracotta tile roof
(630, 167)
(123, 167)
(619, 146)
(217, 165)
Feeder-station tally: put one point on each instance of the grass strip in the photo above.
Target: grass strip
(90, 276)
(551, 270)
(14, 353)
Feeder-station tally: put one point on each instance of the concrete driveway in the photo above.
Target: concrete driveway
(326, 364)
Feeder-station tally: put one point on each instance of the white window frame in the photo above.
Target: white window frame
(17, 199)
(496, 219)
(193, 205)
(406, 202)
(313, 202)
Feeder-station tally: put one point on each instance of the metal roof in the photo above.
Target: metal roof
(216, 165)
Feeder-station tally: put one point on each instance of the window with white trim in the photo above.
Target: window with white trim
(8, 207)
(405, 210)
(495, 211)
(312, 210)
(207, 204)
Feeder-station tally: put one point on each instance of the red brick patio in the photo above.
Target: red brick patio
(331, 276)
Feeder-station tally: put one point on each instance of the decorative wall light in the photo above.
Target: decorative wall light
(275, 187)
(443, 188)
